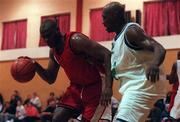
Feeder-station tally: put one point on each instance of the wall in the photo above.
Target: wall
(91, 4)
(8, 84)
(32, 10)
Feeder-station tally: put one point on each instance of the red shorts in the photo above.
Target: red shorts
(83, 98)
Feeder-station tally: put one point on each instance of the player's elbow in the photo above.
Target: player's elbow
(51, 80)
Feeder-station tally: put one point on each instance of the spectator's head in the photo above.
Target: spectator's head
(19, 102)
(13, 97)
(28, 103)
(51, 94)
(7, 104)
(16, 92)
(34, 94)
(29, 96)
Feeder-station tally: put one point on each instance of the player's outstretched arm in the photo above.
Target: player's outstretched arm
(49, 74)
(82, 44)
(136, 36)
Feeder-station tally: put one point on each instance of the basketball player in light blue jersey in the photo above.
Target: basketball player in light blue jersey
(135, 63)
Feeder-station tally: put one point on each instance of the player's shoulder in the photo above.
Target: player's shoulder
(78, 36)
(134, 30)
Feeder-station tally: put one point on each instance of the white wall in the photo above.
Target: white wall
(169, 42)
(91, 4)
(32, 10)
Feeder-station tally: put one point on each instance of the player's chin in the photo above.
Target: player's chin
(51, 46)
(109, 30)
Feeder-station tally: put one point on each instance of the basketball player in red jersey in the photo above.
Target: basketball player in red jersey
(82, 60)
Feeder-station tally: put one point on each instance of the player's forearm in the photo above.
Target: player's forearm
(107, 65)
(159, 56)
(44, 74)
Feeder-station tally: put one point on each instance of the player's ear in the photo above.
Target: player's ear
(57, 25)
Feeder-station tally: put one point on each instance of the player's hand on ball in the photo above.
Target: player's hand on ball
(23, 69)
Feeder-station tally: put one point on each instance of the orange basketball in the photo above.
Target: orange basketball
(23, 69)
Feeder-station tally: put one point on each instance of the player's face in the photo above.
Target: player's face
(51, 37)
(108, 21)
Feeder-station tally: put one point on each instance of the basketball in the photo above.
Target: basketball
(23, 69)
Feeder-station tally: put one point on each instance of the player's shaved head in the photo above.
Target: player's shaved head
(114, 7)
(48, 26)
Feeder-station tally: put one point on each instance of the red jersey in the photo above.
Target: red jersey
(76, 67)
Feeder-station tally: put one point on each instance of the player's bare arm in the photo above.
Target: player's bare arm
(49, 74)
(136, 36)
(80, 43)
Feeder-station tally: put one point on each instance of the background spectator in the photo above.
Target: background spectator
(35, 100)
(47, 114)
(20, 112)
(51, 98)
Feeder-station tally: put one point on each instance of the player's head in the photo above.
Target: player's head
(50, 32)
(113, 16)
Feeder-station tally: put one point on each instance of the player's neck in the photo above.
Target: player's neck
(119, 29)
(60, 47)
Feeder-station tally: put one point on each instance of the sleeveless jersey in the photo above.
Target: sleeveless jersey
(129, 65)
(76, 67)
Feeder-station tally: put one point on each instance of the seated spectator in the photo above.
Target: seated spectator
(58, 98)
(28, 98)
(51, 97)
(20, 112)
(17, 95)
(13, 103)
(47, 114)
(35, 100)
(8, 113)
(32, 114)
(8, 108)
